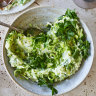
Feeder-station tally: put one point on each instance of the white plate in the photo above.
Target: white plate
(38, 16)
(16, 8)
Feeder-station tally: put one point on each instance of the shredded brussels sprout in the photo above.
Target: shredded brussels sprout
(52, 56)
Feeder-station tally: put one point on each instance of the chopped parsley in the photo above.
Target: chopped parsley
(51, 56)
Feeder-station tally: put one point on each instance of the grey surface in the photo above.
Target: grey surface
(85, 3)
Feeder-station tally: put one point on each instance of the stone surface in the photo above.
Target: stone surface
(87, 87)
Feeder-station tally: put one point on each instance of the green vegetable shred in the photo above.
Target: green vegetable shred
(49, 57)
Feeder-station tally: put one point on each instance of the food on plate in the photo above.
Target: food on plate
(14, 3)
(51, 56)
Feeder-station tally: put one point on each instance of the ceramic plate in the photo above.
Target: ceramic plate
(16, 8)
(40, 16)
